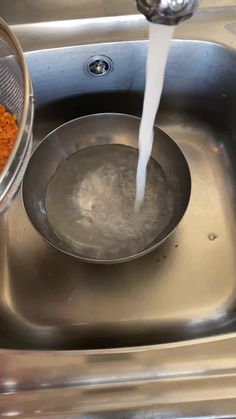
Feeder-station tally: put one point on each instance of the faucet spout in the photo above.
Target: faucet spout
(167, 12)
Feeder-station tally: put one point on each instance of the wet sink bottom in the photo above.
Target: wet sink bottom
(184, 289)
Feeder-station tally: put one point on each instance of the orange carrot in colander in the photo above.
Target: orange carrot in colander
(8, 134)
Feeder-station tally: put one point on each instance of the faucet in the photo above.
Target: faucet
(167, 12)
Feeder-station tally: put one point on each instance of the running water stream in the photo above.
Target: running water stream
(159, 44)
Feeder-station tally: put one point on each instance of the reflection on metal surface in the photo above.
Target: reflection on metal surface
(153, 309)
(167, 12)
(34, 11)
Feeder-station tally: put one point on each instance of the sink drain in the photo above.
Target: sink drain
(99, 65)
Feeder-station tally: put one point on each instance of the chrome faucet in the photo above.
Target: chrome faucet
(167, 12)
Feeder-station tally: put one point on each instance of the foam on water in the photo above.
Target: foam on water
(90, 202)
(160, 37)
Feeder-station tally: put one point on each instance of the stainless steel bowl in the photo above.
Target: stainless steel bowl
(79, 189)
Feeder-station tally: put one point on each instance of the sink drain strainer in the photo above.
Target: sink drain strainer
(99, 65)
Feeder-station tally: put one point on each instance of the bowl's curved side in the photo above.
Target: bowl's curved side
(90, 131)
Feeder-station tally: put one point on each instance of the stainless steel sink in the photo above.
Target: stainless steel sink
(159, 331)
(185, 289)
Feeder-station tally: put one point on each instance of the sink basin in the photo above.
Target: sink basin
(185, 289)
(157, 333)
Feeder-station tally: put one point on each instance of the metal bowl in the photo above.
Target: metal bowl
(79, 189)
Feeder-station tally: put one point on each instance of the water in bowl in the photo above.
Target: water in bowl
(90, 203)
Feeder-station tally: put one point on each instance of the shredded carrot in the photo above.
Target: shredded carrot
(8, 133)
